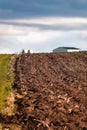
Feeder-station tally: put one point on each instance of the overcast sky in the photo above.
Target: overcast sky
(42, 25)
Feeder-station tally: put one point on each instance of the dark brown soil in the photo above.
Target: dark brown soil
(52, 91)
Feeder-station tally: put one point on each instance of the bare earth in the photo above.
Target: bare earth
(51, 92)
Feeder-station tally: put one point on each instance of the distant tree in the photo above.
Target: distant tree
(28, 52)
(23, 51)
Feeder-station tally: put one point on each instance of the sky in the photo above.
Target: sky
(42, 25)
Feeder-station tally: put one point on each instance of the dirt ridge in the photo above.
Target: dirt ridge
(51, 86)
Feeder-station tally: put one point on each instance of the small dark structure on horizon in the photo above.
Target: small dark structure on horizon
(66, 49)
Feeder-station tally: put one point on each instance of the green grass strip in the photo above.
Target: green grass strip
(5, 79)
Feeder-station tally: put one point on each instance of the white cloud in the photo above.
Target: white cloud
(18, 35)
(5, 51)
(38, 37)
(6, 29)
(21, 26)
(49, 20)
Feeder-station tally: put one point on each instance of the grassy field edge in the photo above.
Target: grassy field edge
(6, 83)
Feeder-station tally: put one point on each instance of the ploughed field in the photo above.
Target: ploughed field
(51, 92)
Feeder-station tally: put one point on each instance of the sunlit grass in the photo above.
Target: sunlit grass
(5, 79)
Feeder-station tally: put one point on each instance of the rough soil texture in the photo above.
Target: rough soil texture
(51, 92)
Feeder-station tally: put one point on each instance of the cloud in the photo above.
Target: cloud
(5, 51)
(42, 34)
(33, 8)
(23, 26)
(44, 41)
(42, 25)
